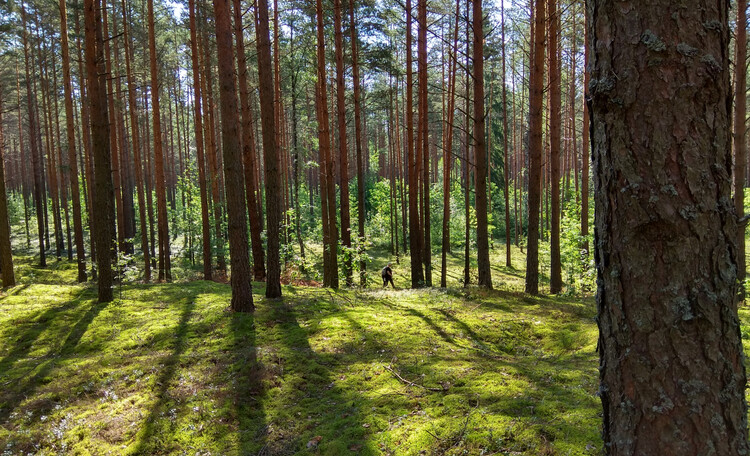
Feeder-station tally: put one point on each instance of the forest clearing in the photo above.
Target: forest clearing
(167, 369)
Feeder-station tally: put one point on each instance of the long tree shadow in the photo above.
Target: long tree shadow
(322, 404)
(153, 426)
(27, 385)
(249, 391)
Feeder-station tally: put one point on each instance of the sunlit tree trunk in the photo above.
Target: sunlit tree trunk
(672, 372)
(248, 149)
(165, 269)
(555, 280)
(71, 144)
(136, 143)
(239, 255)
(480, 150)
(103, 226)
(536, 125)
(415, 247)
(270, 153)
(6, 253)
(358, 147)
(425, 137)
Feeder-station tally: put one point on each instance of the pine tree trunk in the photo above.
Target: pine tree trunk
(270, 152)
(239, 255)
(536, 125)
(425, 137)
(740, 131)
(671, 363)
(415, 247)
(165, 269)
(480, 150)
(506, 163)
(555, 280)
(104, 191)
(6, 253)
(248, 150)
(361, 214)
(36, 166)
(343, 152)
(136, 142)
(72, 160)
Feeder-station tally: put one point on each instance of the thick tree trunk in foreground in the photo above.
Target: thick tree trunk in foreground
(740, 130)
(270, 153)
(104, 193)
(480, 150)
(239, 254)
(671, 362)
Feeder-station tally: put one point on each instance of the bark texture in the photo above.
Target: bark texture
(239, 253)
(270, 153)
(671, 361)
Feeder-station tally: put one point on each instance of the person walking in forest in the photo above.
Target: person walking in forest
(387, 275)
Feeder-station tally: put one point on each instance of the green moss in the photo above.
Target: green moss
(166, 369)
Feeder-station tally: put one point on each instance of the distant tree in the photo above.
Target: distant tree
(671, 363)
(346, 238)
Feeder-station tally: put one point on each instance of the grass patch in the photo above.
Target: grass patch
(167, 369)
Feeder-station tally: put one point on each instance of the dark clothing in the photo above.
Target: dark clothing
(387, 275)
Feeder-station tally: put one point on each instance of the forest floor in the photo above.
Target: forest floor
(167, 369)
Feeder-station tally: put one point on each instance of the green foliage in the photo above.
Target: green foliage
(577, 263)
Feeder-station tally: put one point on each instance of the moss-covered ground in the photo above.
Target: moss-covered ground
(167, 369)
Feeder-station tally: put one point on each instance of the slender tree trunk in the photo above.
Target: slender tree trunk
(671, 364)
(467, 154)
(239, 255)
(448, 150)
(70, 130)
(136, 143)
(104, 192)
(506, 163)
(270, 152)
(425, 136)
(480, 150)
(536, 124)
(585, 145)
(346, 239)
(165, 269)
(6, 252)
(34, 149)
(248, 149)
(362, 215)
(327, 194)
(554, 135)
(415, 247)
